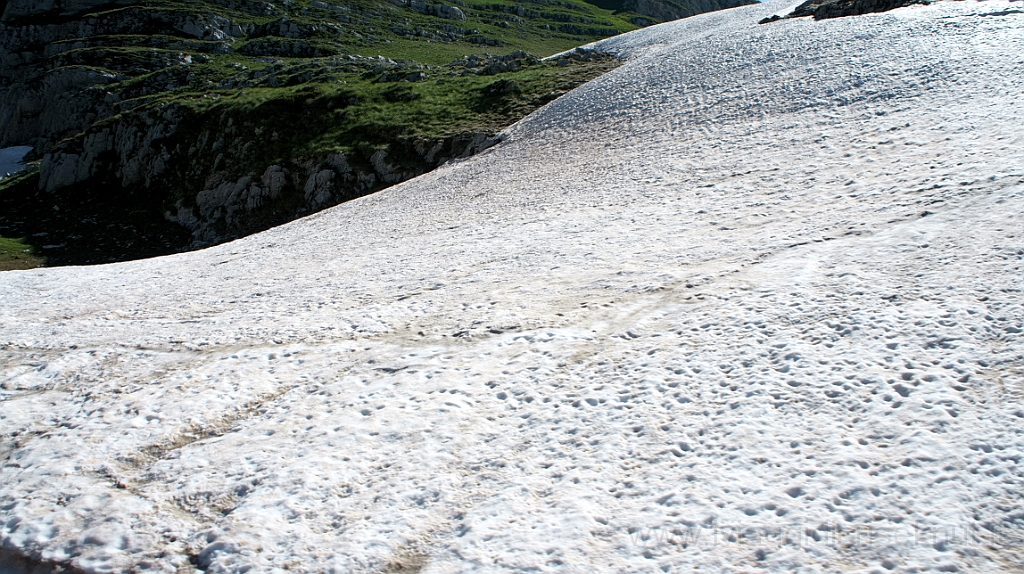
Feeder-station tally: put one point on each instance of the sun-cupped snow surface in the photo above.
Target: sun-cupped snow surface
(752, 301)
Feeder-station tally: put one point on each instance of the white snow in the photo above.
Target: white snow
(751, 301)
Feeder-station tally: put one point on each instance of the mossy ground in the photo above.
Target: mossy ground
(342, 112)
(16, 253)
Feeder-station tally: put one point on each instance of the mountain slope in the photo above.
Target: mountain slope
(174, 123)
(749, 301)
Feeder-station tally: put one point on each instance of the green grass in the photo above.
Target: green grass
(432, 53)
(439, 54)
(17, 254)
(539, 32)
(351, 112)
(366, 29)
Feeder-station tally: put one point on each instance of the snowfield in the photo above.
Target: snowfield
(752, 301)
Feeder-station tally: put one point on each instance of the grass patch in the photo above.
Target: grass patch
(439, 54)
(18, 254)
(346, 111)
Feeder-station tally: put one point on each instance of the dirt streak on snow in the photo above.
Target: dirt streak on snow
(751, 301)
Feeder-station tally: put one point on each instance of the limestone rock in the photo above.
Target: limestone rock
(439, 10)
(825, 9)
(319, 188)
(501, 88)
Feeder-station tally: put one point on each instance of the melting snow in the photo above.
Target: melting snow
(751, 301)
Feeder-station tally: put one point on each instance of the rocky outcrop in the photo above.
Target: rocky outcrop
(205, 184)
(824, 9)
(52, 86)
(440, 10)
(282, 48)
(491, 65)
(74, 98)
(237, 207)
